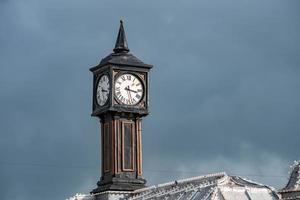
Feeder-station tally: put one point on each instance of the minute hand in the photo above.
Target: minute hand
(130, 90)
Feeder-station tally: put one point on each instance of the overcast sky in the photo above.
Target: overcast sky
(224, 90)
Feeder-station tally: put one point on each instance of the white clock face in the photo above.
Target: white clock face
(103, 90)
(129, 89)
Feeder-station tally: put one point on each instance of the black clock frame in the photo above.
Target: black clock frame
(114, 71)
(96, 78)
(96, 88)
(138, 75)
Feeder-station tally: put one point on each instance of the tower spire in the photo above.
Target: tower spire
(121, 43)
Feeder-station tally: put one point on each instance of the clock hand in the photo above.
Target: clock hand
(132, 91)
(102, 95)
(128, 89)
(129, 96)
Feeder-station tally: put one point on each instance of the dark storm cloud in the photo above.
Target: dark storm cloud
(224, 90)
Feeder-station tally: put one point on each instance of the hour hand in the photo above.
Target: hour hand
(128, 89)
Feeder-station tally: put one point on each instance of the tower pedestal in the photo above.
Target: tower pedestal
(119, 184)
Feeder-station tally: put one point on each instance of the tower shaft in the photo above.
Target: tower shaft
(121, 148)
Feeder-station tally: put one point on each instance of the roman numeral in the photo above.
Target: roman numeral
(137, 96)
(128, 77)
(123, 78)
(122, 99)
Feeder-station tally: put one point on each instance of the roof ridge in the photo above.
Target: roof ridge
(159, 188)
(181, 181)
(173, 190)
(201, 177)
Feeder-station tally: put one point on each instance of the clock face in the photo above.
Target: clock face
(103, 90)
(129, 89)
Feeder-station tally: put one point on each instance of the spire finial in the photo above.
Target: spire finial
(121, 43)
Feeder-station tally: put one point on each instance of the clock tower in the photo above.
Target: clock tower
(120, 100)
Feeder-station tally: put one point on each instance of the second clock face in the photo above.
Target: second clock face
(103, 90)
(129, 89)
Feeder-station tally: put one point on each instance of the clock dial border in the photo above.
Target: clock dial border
(99, 76)
(140, 77)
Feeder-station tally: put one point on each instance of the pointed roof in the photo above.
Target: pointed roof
(121, 56)
(121, 42)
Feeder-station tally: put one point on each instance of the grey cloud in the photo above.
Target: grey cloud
(224, 89)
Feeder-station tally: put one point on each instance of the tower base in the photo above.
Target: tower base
(119, 184)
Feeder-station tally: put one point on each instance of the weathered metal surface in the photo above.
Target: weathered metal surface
(210, 187)
(292, 190)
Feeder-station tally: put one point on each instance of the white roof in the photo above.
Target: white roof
(210, 187)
